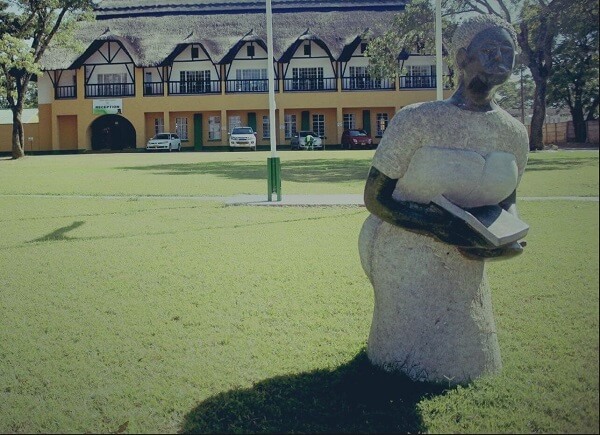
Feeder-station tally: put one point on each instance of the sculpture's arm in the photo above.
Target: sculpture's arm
(426, 219)
(510, 205)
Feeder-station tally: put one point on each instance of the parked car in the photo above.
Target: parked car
(355, 138)
(164, 141)
(299, 141)
(242, 137)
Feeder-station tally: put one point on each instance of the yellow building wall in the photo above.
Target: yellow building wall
(45, 127)
(67, 132)
(32, 137)
(140, 111)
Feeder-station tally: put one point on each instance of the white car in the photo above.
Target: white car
(242, 137)
(164, 141)
(300, 141)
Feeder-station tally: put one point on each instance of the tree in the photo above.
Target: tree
(25, 36)
(574, 82)
(517, 94)
(412, 31)
(537, 26)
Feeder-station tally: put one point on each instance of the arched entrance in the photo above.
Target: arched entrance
(112, 132)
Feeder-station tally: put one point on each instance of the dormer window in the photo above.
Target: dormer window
(195, 53)
(307, 49)
(250, 50)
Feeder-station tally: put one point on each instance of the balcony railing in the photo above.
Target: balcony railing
(154, 88)
(110, 90)
(249, 86)
(195, 88)
(310, 84)
(418, 82)
(65, 92)
(366, 83)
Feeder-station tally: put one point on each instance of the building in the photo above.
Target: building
(30, 121)
(199, 68)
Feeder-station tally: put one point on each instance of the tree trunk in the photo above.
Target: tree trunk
(18, 135)
(579, 124)
(536, 137)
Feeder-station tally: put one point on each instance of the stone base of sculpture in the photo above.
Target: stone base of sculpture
(432, 317)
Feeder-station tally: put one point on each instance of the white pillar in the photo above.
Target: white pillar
(438, 50)
(271, 79)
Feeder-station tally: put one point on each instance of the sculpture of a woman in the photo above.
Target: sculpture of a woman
(433, 316)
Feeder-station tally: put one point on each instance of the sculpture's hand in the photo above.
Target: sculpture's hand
(501, 253)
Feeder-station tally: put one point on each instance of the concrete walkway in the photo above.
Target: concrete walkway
(343, 199)
(355, 200)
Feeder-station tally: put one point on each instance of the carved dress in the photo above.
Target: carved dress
(433, 314)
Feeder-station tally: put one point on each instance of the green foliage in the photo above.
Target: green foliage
(574, 82)
(160, 315)
(32, 28)
(412, 31)
(509, 94)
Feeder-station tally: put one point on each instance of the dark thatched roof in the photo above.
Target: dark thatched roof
(151, 40)
(120, 8)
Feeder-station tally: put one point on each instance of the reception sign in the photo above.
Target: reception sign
(107, 107)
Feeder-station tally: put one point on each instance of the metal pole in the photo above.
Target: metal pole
(271, 79)
(273, 162)
(438, 50)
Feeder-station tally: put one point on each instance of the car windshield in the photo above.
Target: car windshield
(358, 133)
(162, 136)
(242, 130)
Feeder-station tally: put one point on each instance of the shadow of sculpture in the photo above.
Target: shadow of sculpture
(353, 398)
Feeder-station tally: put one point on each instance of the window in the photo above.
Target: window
(194, 82)
(420, 76)
(349, 121)
(290, 126)
(363, 47)
(195, 53)
(382, 123)
(307, 79)
(248, 80)
(360, 79)
(214, 128)
(250, 50)
(319, 124)
(235, 121)
(307, 49)
(112, 84)
(181, 128)
(159, 126)
(266, 127)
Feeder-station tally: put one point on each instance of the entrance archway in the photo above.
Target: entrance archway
(112, 132)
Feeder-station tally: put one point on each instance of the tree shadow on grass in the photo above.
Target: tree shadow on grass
(301, 171)
(353, 398)
(562, 164)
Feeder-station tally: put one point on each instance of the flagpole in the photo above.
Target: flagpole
(438, 50)
(273, 162)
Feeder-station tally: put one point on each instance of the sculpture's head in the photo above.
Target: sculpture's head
(485, 48)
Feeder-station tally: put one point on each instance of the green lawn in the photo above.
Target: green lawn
(162, 315)
(214, 174)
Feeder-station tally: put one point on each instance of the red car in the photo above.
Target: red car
(355, 138)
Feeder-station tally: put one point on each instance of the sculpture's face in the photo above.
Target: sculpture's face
(490, 58)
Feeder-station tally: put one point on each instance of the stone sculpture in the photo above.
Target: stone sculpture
(433, 315)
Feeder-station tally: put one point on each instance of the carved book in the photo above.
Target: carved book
(495, 224)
